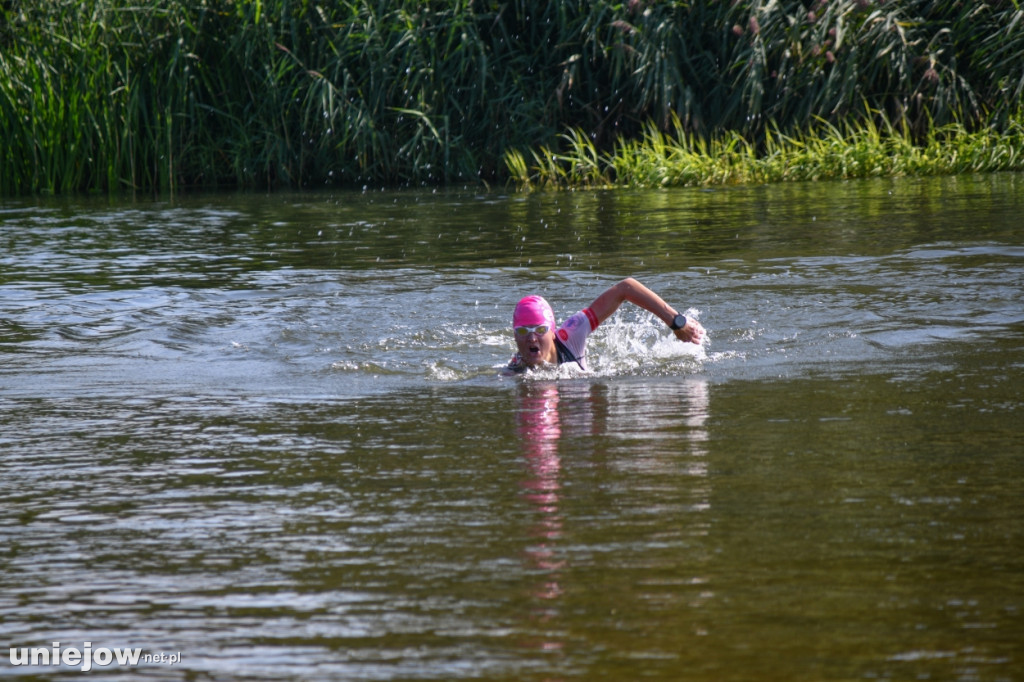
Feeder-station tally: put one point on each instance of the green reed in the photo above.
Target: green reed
(108, 95)
(823, 152)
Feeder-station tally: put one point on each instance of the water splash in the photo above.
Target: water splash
(642, 346)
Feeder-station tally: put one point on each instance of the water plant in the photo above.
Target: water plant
(822, 152)
(108, 95)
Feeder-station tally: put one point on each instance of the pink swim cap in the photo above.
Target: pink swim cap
(533, 310)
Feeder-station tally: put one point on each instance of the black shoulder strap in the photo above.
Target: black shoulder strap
(564, 354)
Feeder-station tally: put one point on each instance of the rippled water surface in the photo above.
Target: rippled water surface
(268, 433)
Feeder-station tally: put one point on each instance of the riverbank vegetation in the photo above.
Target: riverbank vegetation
(860, 149)
(156, 95)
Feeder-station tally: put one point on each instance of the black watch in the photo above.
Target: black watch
(678, 322)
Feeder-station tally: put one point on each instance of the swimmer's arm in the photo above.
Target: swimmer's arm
(636, 293)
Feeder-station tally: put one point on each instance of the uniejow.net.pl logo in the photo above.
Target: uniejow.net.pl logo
(86, 658)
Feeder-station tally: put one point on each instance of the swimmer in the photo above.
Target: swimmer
(540, 343)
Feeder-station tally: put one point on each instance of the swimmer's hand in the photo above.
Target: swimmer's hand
(692, 332)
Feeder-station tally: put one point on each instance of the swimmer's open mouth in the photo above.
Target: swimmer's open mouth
(534, 349)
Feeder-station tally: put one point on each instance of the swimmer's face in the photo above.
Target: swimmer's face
(536, 347)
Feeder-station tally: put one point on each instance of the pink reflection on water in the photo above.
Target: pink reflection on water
(540, 428)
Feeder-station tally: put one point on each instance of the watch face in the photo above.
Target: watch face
(679, 322)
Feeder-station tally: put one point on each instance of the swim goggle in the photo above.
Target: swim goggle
(540, 329)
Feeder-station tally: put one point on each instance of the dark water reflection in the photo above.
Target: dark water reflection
(267, 432)
(221, 240)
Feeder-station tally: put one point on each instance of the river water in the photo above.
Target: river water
(268, 434)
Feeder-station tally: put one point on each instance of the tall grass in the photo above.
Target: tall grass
(104, 95)
(822, 152)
